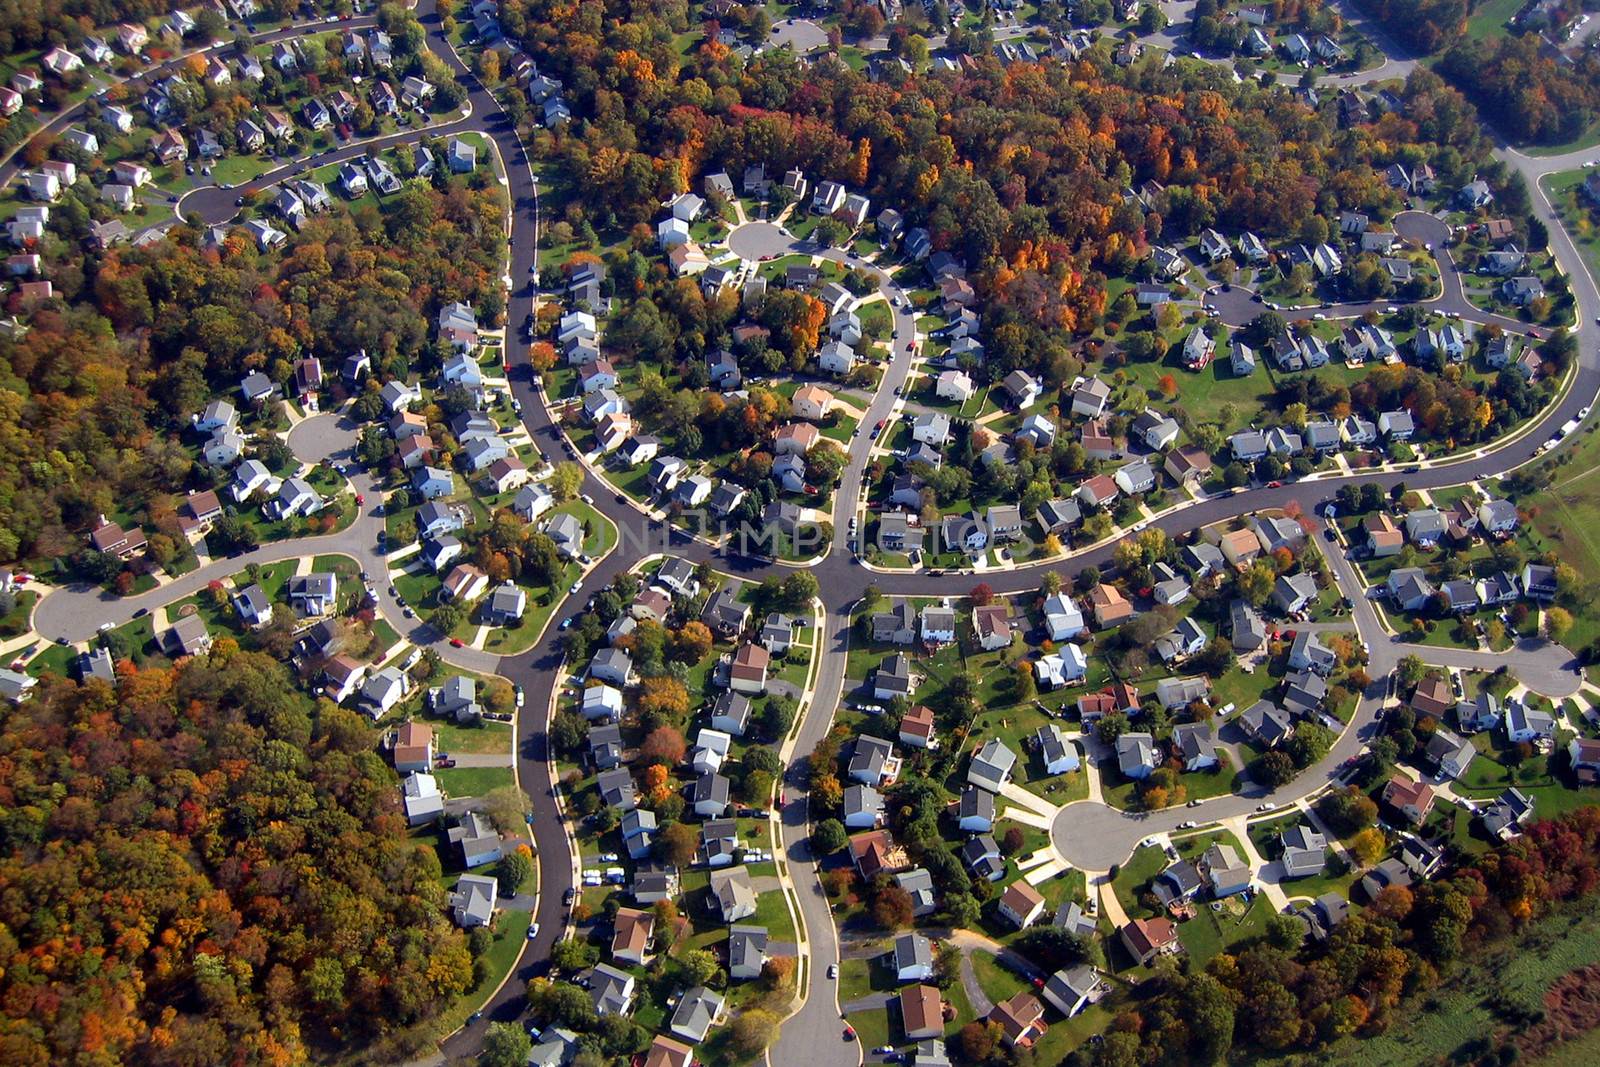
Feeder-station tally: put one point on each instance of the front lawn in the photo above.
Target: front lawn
(473, 781)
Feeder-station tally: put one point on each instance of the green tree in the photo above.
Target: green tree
(572, 954)
(798, 590)
(513, 871)
(829, 837)
(565, 481)
(505, 1045)
(700, 966)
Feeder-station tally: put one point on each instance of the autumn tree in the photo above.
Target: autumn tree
(565, 481)
(663, 701)
(752, 1031)
(663, 745)
(892, 908)
(677, 843)
(1368, 846)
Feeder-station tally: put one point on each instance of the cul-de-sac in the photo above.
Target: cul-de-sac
(957, 533)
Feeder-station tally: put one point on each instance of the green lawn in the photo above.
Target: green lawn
(343, 566)
(1491, 16)
(55, 659)
(473, 781)
(1220, 926)
(486, 736)
(997, 982)
(1132, 877)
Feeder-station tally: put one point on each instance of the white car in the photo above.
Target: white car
(833, 970)
(1583, 412)
(533, 931)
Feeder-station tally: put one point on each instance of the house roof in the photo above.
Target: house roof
(921, 1009)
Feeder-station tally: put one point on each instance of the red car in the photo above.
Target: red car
(1274, 485)
(361, 500)
(456, 642)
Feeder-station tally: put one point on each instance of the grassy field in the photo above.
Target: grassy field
(1581, 1052)
(1490, 19)
(486, 736)
(1436, 1027)
(473, 781)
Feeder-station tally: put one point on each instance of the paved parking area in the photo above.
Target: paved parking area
(323, 437)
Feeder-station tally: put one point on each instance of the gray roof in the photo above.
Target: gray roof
(912, 950)
(696, 1011)
(747, 946)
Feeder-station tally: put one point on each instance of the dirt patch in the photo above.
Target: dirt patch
(1571, 1009)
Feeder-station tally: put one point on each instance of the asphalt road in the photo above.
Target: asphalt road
(1089, 833)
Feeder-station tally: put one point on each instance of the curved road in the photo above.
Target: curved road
(1091, 833)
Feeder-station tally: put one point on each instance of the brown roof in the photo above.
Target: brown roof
(1433, 696)
(871, 851)
(1402, 792)
(631, 931)
(1382, 531)
(1101, 486)
(416, 443)
(1104, 595)
(814, 393)
(1185, 460)
(1096, 703)
(1588, 750)
(665, 1052)
(341, 669)
(1149, 935)
(411, 742)
(202, 503)
(991, 619)
(803, 433)
(1096, 434)
(1018, 1016)
(1021, 898)
(918, 722)
(107, 536)
(1243, 542)
(752, 656)
(921, 1009)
